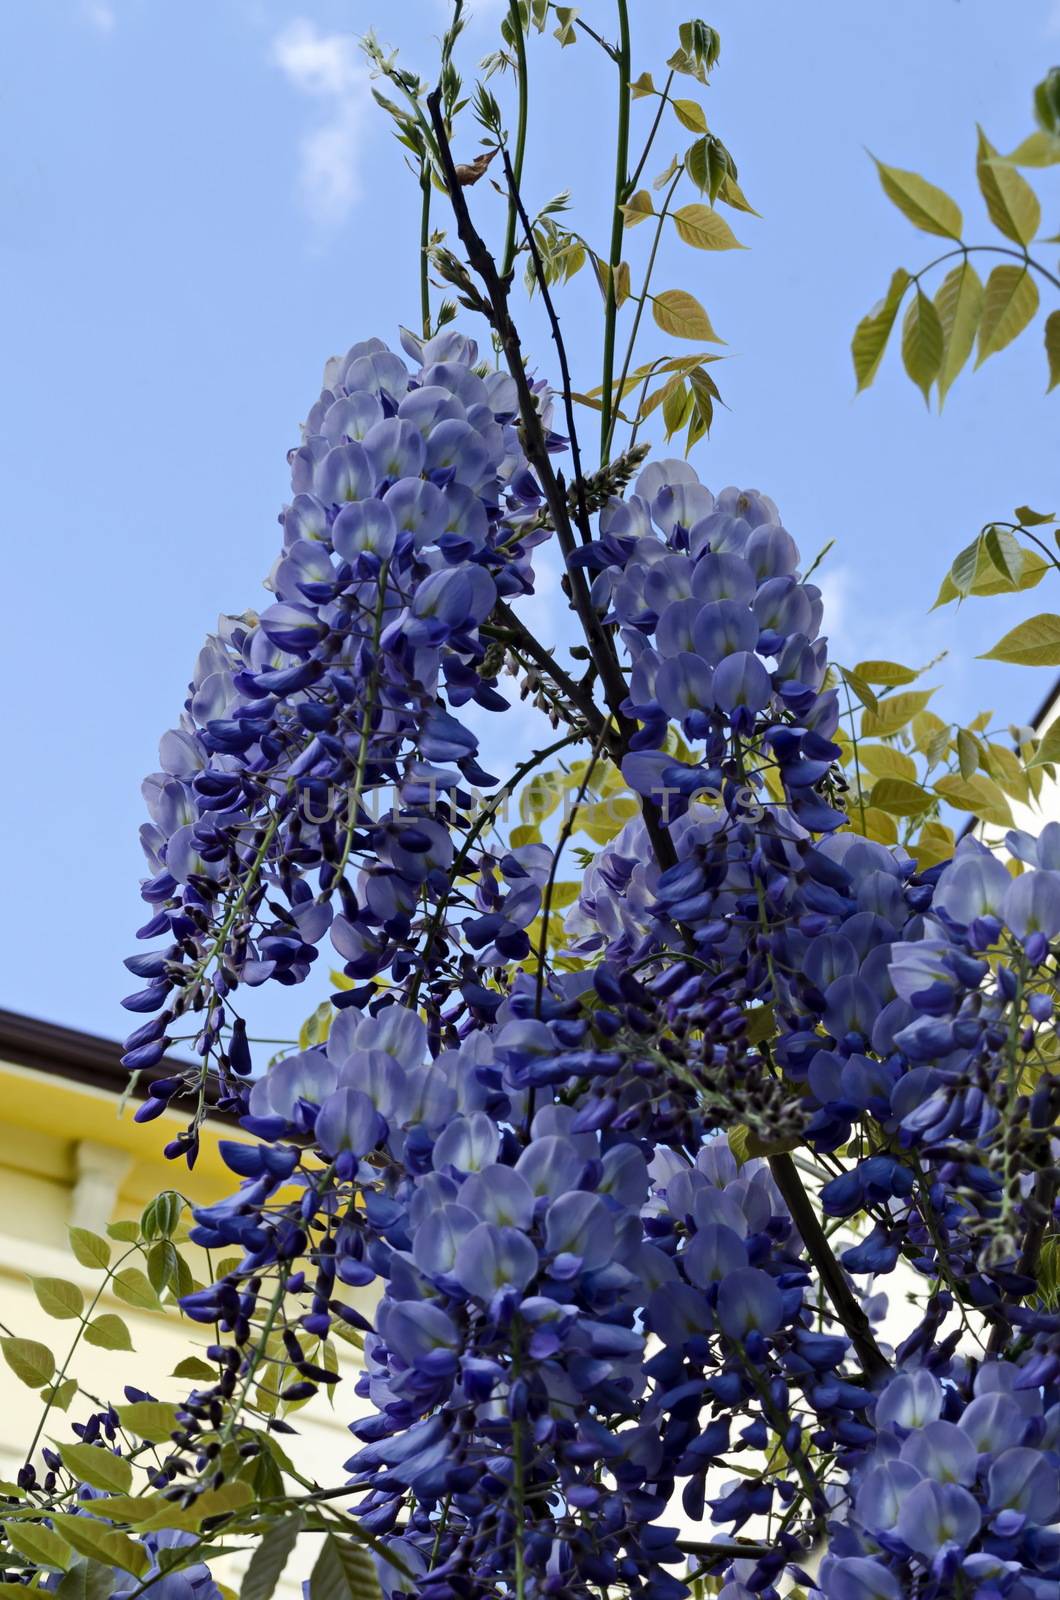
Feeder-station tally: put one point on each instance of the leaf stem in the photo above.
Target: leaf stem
(618, 222)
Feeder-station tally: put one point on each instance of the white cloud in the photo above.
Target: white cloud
(326, 68)
(100, 16)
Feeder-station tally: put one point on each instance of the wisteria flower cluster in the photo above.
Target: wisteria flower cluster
(607, 1303)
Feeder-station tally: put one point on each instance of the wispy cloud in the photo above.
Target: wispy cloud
(325, 67)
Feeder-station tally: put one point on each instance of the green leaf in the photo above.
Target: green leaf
(343, 1571)
(134, 1287)
(994, 563)
(709, 165)
(1009, 302)
(108, 1332)
(269, 1559)
(32, 1363)
(873, 331)
(676, 405)
(1052, 349)
(163, 1262)
(894, 712)
(89, 1248)
(928, 208)
(1032, 519)
(959, 303)
(690, 115)
(1011, 203)
(679, 313)
(149, 1419)
(58, 1298)
(90, 1538)
(59, 1395)
(922, 342)
(860, 687)
(642, 86)
(162, 1214)
(127, 1232)
(566, 33)
(1034, 643)
(702, 227)
(885, 672)
(195, 1369)
(94, 1464)
(637, 207)
(39, 1545)
(86, 1580)
(967, 753)
(1048, 750)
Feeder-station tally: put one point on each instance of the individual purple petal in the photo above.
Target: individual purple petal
(498, 1194)
(723, 628)
(711, 1254)
(345, 473)
(1032, 904)
(935, 1515)
(348, 1120)
(1025, 1480)
(749, 1300)
(395, 449)
(364, 527)
(742, 681)
(492, 1259)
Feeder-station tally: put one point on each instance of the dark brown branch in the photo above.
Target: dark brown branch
(496, 287)
(844, 1301)
(561, 349)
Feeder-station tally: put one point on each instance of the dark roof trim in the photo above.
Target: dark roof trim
(1047, 705)
(81, 1058)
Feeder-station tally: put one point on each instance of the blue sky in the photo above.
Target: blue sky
(199, 202)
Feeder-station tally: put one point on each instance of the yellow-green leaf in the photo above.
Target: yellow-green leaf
(890, 673)
(1034, 643)
(39, 1545)
(734, 196)
(149, 1419)
(58, 1298)
(270, 1557)
(885, 761)
(967, 753)
(637, 207)
(702, 227)
(679, 313)
(979, 795)
(676, 405)
(134, 1287)
(344, 1570)
(922, 342)
(690, 115)
(94, 1464)
(1009, 302)
(642, 86)
(108, 1332)
(935, 843)
(928, 208)
(894, 712)
(873, 331)
(31, 1362)
(90, 1538)
(1052, 348)
(89, 1248)
(959, 303)
(900, 798)
(1011, 203)
(994, 563)
(1039, 149)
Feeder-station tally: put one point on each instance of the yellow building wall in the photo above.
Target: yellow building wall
(70, 1155)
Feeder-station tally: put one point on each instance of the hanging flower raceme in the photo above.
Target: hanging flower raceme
(319, 752)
